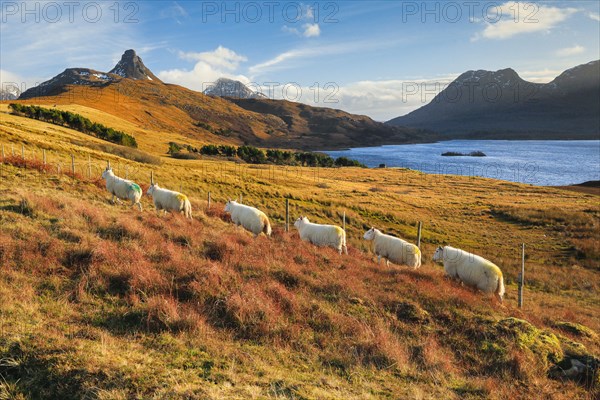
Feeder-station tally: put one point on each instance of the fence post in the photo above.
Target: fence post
(108, 164)
(2, 153)
(23, 151)
(344, 220)
(287, 215)
(12, 149)
(208, 206)
(89, 167)
(241, 198)
(419, 225)
(73, 165)
(522, 276)
(152, 177)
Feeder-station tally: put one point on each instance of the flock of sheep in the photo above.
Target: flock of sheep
(469, 268)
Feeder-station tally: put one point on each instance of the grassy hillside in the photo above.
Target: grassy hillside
(100, 301)
(155, 108)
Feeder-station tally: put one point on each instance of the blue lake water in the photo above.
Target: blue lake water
(537, 162)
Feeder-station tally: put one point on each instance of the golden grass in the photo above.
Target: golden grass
(112, 303)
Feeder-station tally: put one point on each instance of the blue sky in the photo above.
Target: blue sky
(362, 56)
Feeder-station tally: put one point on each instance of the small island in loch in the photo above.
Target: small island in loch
(457, 154)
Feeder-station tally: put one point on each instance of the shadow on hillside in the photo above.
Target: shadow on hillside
(31, 372)
(23, 207)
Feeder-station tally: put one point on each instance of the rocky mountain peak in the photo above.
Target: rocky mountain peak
(225, 87)
(131, 66)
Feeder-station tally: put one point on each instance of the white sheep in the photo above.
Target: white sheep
(250, 218)
(122, 188)
(167, 200)
(394, 249)
(322, 235)
(471, 269)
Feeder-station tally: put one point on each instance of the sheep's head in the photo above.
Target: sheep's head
(439, 254)
(151, 189)
(299, 221)
(106, 172)
(370, 234)
(229, 205)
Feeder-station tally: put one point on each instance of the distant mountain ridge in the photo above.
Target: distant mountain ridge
(501, 105)
(225, 87)
(130, 66)
(9, 92)
(232, 113)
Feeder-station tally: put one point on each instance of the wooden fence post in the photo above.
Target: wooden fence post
(89, 167)
(419, 225)
(12, 150)
(152, 177)
(344, 221)
(2, 153)
(73, 165)
(108, 164)
(287, 215)
(241, 198)
(522, 276)
(208, 206)
(23, 151)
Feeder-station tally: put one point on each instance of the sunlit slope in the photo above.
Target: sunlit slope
(123, 304)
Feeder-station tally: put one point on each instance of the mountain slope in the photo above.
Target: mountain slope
(486, 104)
(9, 92)
(131, 66)
(224, 87)
(132, 92)
(327, 128)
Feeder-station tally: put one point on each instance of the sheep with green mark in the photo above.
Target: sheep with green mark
(122, 189)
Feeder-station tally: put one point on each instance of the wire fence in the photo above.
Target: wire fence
(208, 176)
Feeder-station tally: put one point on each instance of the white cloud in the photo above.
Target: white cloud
(176, 12)
(311, 30)
(522, 17)
(594, 16)
(210, 66)
(282, 61)
(287, 29)
(220, 57)
(380, 99)
(40, 50)
(541, 76)
(570, 51)
(9, 80)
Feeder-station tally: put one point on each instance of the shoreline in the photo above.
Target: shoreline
(453, 140)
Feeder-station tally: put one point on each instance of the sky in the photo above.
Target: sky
(382, 59)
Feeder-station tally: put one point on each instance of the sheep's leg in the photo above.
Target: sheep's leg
(345, 249)
(387, 262)
(112, 199)
(378, 259)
